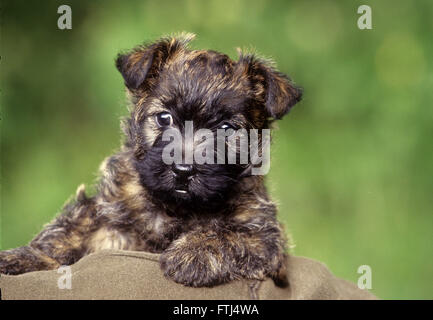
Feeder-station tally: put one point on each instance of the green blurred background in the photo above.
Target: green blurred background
(352, 164)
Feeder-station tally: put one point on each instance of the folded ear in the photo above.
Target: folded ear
(277, 92)
(141, 66)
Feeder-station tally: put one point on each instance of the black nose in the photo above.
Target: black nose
(183, 170)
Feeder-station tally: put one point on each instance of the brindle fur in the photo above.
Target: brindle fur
(228, 228)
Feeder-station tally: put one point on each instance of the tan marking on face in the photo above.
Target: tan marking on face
(151, 131)
(154, 106)
(150, 127)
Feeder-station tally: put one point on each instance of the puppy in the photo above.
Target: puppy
(211, 222)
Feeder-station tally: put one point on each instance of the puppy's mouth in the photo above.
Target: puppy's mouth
(181, 189)
(182, 185)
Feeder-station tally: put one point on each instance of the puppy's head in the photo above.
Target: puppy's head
(172, 87)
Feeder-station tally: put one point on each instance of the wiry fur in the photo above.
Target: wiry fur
(225, 228)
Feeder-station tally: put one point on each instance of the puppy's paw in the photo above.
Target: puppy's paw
(24, 259)
(9, 263)
(195, 265)
(3, 265)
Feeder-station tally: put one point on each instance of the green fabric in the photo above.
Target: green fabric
(113, 274)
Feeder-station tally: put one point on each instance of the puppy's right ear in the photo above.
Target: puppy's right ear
(141, 66)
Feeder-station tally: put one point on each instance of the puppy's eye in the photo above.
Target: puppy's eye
(164, 119)
(226, 126)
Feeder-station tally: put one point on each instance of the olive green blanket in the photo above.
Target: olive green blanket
(136, 275)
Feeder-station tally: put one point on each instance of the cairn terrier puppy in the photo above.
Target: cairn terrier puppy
(211, 222)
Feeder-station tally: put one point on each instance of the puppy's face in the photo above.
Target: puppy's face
(173, 88)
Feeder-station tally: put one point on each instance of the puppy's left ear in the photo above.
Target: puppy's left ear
(273, 88)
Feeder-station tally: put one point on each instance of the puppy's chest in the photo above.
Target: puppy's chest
(146, 233)
(108, 238)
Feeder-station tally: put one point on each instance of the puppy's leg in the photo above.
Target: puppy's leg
(62, 242)
(218, 252)
(25, 259)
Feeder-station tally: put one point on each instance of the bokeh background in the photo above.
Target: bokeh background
(352, 165)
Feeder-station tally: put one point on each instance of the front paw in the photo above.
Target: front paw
(195, 265)
(24, 259)
(9, 263)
